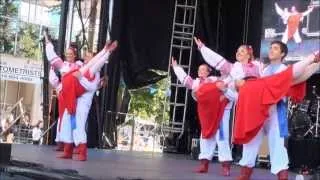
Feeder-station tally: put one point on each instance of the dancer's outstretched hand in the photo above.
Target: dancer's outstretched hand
(111, 46)
(46, 35)
(198, 42)
(77, 74)
(221, 85)
(173, 62)
(239, 83)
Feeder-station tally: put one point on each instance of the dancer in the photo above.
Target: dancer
(267, 110)
(214, 111)
(292, 20)
(245, 66)
(83, 106)
(69, 64)
(55, 83)
(78, 135)
(72, 88)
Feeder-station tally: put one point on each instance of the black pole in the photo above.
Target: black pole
(104, 21)
(62, 27)
(45, 89)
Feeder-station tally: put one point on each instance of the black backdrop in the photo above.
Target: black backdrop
(143, 29)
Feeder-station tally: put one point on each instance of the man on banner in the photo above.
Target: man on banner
(292, 20)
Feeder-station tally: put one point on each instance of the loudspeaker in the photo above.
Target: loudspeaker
(5, 152)
(304, 153)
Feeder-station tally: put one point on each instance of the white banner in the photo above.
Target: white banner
(20, 69)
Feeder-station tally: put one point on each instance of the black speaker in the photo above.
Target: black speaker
(316, 176)
(304, 153)
(5, 152)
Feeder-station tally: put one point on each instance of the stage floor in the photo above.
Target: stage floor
(123, 165)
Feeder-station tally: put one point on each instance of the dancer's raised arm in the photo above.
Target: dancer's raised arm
(185, 79)
(310, 69)
(212, 58)
(53, 58)
(97, 62)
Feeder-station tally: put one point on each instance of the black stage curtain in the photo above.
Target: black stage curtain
(143, 29)
(93, 124)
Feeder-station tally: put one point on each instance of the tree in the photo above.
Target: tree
(148, 103)
(29, 42)
(8, 12)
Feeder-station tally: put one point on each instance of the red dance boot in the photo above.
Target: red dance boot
(82, 152)
(76, 150)
(245, 173)
(59, 146)
(204, 166)
(67, 151)
(283, 175)
(226, 168)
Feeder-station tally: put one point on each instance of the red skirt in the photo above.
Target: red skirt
(211, 105)
(255, 98)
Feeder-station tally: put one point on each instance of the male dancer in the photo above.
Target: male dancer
(267, 115)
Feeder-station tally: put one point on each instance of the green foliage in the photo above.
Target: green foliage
(29, 46)
(148, 103)
(8, 12)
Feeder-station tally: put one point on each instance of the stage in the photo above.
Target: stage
(122, 165)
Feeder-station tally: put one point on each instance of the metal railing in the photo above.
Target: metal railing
(133, 134)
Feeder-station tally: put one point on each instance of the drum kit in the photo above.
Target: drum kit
(304, 117)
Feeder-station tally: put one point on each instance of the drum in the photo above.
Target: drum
(304, 106)
(300, 123)
(313, 110)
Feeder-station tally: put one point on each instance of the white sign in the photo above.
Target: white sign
(19, 69)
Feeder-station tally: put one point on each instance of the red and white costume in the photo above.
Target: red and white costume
(250, 130)
(207, 96)
(73, 90)
(83, 106)
(261, 114)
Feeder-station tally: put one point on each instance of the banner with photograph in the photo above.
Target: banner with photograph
(294, 22)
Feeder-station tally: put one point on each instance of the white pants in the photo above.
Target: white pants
(207, 146)
(79, 133)
(278, 152)
(65, 130)
(296, 36)
(57, 131)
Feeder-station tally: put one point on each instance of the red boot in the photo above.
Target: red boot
(204, 166)
(283, 175)
(67, 151)
(226, 168)
(82, 152)
(76, 150)
(245, 173)
(59, 146)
